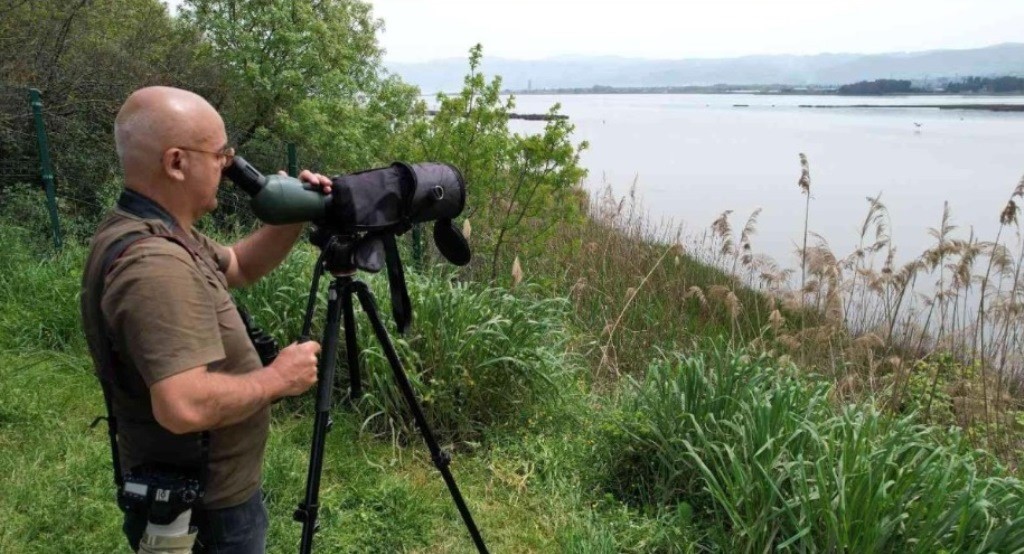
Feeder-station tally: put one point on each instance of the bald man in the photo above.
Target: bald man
(178, 369)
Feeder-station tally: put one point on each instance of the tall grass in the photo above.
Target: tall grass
(40, 289)
(637, 287)
(764, 454)
(867, 319)
(479, 357)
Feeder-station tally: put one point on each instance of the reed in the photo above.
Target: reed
(938, 333)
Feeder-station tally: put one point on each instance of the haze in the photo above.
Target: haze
(422, 30)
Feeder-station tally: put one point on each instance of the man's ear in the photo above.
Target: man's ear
(175, 163)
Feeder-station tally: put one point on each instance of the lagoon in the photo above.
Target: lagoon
(693, 156)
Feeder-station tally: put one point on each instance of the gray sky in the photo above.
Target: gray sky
(420, 30)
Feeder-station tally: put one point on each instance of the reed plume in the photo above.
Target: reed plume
(805, 188)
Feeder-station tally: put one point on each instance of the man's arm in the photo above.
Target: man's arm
(201, 400)
(259, 253)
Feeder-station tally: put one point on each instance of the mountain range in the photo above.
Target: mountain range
(795, 70)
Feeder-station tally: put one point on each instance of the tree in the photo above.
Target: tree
(520, 187)
(304, 71)
(86, 56)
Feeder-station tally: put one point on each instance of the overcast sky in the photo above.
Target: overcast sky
(420, 30)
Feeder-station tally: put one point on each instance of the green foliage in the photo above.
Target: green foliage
(928, 388)
(763, 454)
(521, 188)
(86, 57)
(304, 72)
(478, 357)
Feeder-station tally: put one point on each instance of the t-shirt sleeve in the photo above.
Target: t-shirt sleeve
(160, 311)
(221, 254)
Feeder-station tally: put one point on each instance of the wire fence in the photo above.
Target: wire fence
(19, 154)
(24, 153)
(36, 191)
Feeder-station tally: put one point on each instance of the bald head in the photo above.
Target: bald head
(154, 119)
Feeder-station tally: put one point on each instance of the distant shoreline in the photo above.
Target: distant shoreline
(977, 107)
(719, 92)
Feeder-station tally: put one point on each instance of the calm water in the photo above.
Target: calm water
(694, 156)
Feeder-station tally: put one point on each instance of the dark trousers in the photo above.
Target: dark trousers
(239, 529)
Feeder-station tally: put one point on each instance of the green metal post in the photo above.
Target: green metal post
(46, 168)
(293, 160)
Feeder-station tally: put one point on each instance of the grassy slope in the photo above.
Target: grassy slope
(55, 474)
(558, 483)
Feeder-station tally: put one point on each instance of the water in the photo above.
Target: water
(694, 156)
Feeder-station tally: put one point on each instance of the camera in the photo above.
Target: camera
(159, 493)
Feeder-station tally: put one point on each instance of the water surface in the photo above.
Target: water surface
(694, 156)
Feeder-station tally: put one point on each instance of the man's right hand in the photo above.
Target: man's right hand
(296, 365)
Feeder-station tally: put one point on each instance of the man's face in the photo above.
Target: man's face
(206, 164)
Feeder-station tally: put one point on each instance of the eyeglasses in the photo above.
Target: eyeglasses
(227, 154)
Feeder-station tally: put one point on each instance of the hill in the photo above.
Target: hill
(821, 69)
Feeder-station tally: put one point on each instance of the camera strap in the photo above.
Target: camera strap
(107, 363)
(401, 306)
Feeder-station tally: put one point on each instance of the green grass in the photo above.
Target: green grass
(762, 453)
(711, 450)
(521, 476)
(56, 477)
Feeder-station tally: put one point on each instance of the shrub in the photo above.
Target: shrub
(477, 357)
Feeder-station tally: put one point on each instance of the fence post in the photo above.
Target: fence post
(293, 160)
(45, 167)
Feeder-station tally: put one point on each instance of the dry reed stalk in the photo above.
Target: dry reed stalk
(517, 272)
(721, 229)
(629, 301)
(745, 236)
(1014, 306)
(805, 188)
(776, 321)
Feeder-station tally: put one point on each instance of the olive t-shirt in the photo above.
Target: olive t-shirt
(168, 310)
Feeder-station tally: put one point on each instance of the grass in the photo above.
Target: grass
(55, 472)
(762, 452)
(632, 391)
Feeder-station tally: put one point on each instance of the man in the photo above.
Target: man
(179, 371)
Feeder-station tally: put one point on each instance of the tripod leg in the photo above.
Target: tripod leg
(351, 344)
(439, 457)
(307, 510)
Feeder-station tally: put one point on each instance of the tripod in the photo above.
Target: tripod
(340, 304)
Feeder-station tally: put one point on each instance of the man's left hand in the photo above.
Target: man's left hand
(314, 179)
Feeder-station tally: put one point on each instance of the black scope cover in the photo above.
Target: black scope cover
(395, 197)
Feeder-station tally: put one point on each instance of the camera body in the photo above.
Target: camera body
(159, 493)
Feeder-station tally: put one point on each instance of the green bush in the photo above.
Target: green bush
(761, 453)
(478, 357)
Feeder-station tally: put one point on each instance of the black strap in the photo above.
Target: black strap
(107, 370)
(401, 306)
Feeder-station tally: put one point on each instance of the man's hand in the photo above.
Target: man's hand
(259, 253)
(316, 179)
(200, 400)
(295, 366)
